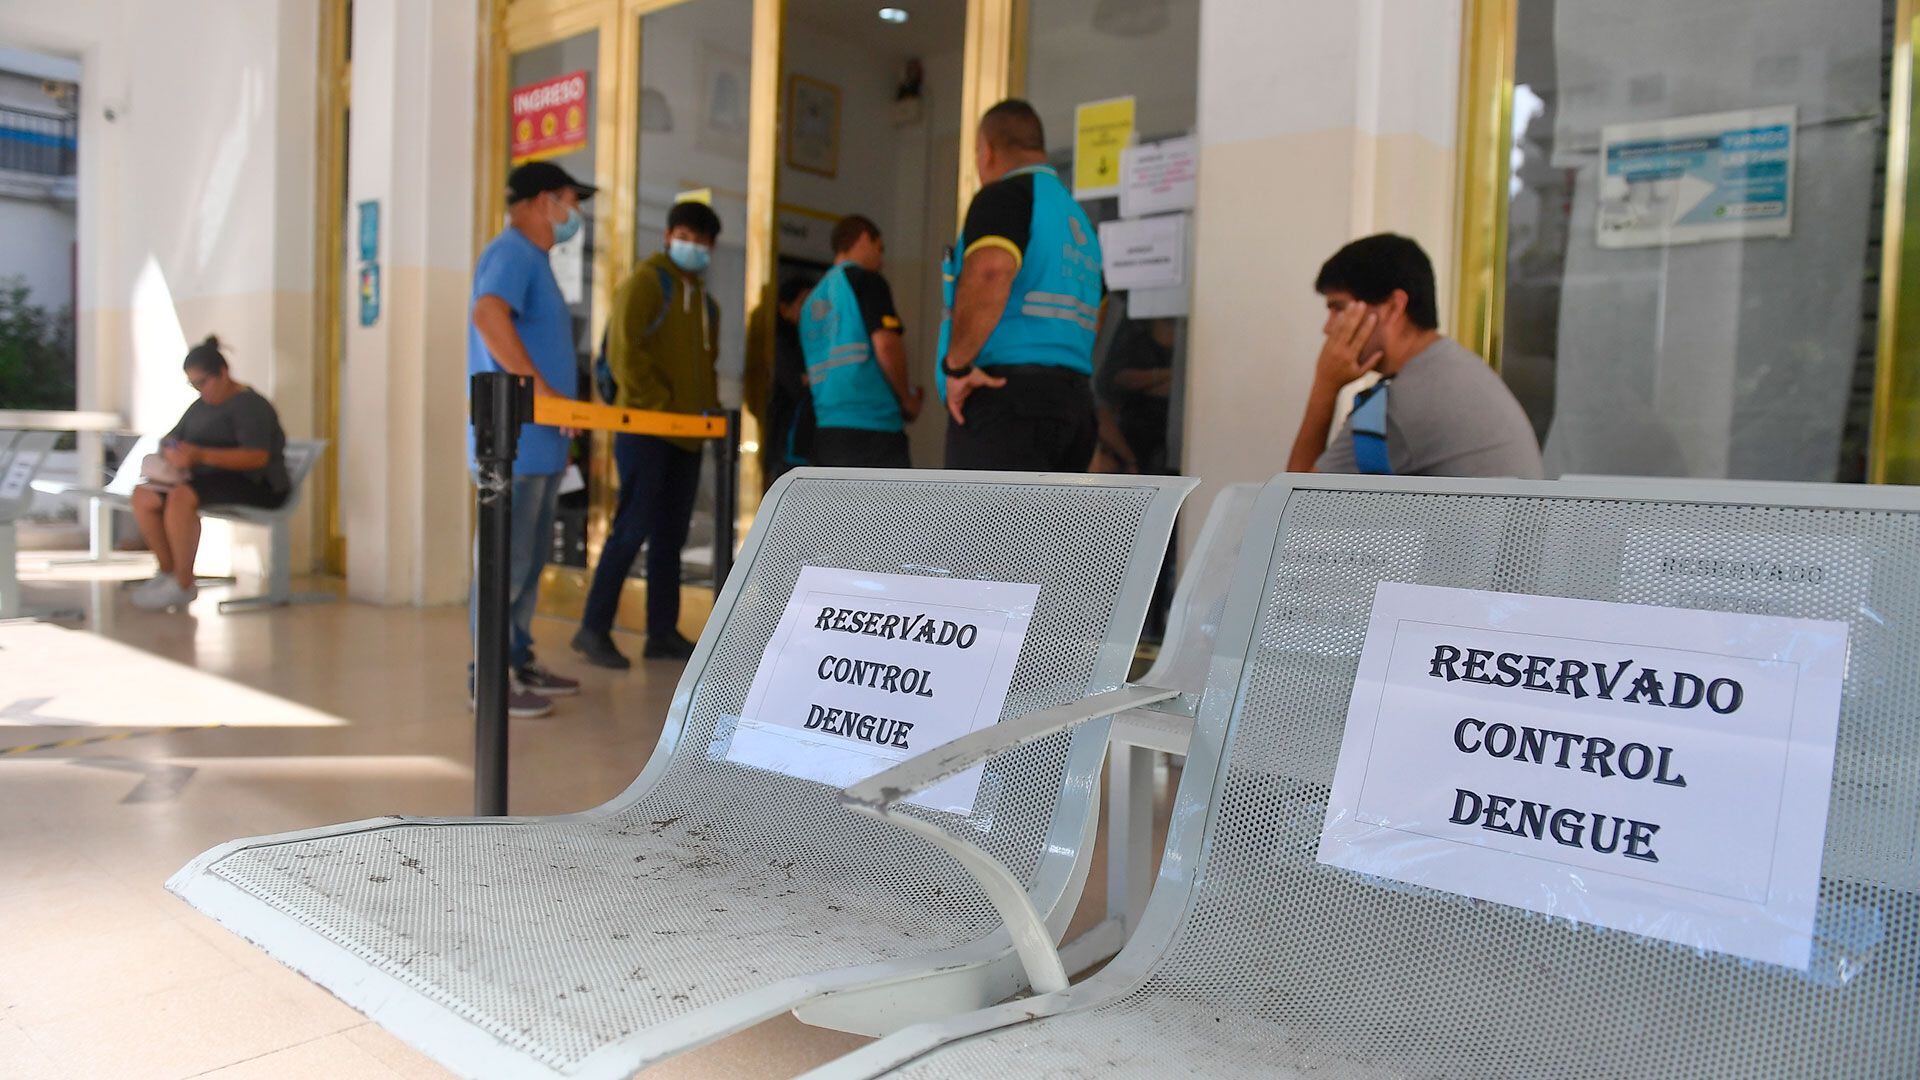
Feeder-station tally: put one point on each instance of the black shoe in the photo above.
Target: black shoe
(670, 647)
(598, 649)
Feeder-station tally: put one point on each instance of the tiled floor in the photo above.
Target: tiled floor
(330, 713)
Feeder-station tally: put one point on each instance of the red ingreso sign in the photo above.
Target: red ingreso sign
(549, 117)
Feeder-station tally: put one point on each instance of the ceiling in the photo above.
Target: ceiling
(933, 25)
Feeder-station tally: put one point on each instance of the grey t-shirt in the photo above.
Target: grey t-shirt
(245, 421)
(1448, 414)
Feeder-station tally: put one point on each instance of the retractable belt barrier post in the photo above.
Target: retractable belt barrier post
(501, 403)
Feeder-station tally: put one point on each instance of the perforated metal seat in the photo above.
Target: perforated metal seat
(711, 895)
(1256, 960)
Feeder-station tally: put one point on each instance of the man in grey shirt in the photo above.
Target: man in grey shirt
(1438, 410)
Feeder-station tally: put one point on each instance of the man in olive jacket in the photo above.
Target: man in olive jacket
(662, 340)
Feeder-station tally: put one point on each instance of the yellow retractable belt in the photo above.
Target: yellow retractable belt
(562, 412)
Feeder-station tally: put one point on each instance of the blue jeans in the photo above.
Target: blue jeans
(529, 543)
(658, 482)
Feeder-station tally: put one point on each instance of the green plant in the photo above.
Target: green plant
(36, 352)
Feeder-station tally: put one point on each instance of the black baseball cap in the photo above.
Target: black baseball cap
(539, 177)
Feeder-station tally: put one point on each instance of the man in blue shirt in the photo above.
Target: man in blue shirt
(1023, 292)
(521, 325)
(856, 358)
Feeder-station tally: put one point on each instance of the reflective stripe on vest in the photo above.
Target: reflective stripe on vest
(849, 390)
(1370, 430)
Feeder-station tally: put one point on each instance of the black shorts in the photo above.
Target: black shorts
(1041, 421)
(235, 489)
(853, 448)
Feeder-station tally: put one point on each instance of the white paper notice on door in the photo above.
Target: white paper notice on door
(866, 670)
(1662, 771)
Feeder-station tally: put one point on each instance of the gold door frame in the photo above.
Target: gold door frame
(334, 92)
(1483, 145)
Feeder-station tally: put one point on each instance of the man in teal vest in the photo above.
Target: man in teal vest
(856, 358)
(1023, 294)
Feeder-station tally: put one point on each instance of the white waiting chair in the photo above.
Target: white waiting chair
(1256, 960)
(710, 895)
(301, 456)
(21, 455)
(1138, 737)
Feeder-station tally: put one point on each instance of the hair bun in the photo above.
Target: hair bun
(212, 342)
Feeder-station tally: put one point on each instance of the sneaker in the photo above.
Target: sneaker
(535, 679)
(522, 704)
(169, 594)
(153, 584)
(599, 650)
(671, 646)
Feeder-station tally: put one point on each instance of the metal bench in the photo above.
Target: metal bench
(300, 454)
(1254, 959)
(711, 896)
(21, 455)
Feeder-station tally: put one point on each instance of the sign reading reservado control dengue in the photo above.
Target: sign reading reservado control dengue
(1655, 770)
(866, 670)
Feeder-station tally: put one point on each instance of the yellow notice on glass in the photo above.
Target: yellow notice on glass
(1101, 129)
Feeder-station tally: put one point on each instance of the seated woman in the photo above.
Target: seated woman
(230, 448)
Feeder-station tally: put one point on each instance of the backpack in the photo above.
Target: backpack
(603, 380)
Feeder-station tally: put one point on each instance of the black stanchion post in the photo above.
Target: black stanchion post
(727, 500)
(501, 403)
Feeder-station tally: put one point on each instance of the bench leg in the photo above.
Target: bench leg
(1130, 862)
(279, 578)
(12, 605)
(9, 573)
(100, 539)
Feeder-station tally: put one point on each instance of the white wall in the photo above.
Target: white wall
(38, 249)
(195, 195)
(1319, 123)
(405, 494)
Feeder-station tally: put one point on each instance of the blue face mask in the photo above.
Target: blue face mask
(689, 256)
(569, 228)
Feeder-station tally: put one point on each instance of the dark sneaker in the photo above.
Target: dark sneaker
(670, 647)
(536, 679)
(599, 650)
(521, 704)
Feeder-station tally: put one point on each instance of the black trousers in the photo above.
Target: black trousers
(854, 448)
(658, 482)
(1041, 421)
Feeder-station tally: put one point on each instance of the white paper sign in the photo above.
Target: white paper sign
(1158, 177)
(1656, 770)
(866, 670)
(1147, 254)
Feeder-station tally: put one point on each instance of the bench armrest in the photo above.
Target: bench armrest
(881, 794)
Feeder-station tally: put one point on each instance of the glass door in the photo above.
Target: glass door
(693, 104)
(554, 97)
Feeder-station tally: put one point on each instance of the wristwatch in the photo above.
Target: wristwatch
(957, 373)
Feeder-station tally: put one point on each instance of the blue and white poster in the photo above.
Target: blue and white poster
(1692, 179)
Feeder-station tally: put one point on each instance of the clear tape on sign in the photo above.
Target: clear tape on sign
(856, 767)
(1846, 937)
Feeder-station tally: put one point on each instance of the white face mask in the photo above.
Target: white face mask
(568, 227)
(692, 257)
